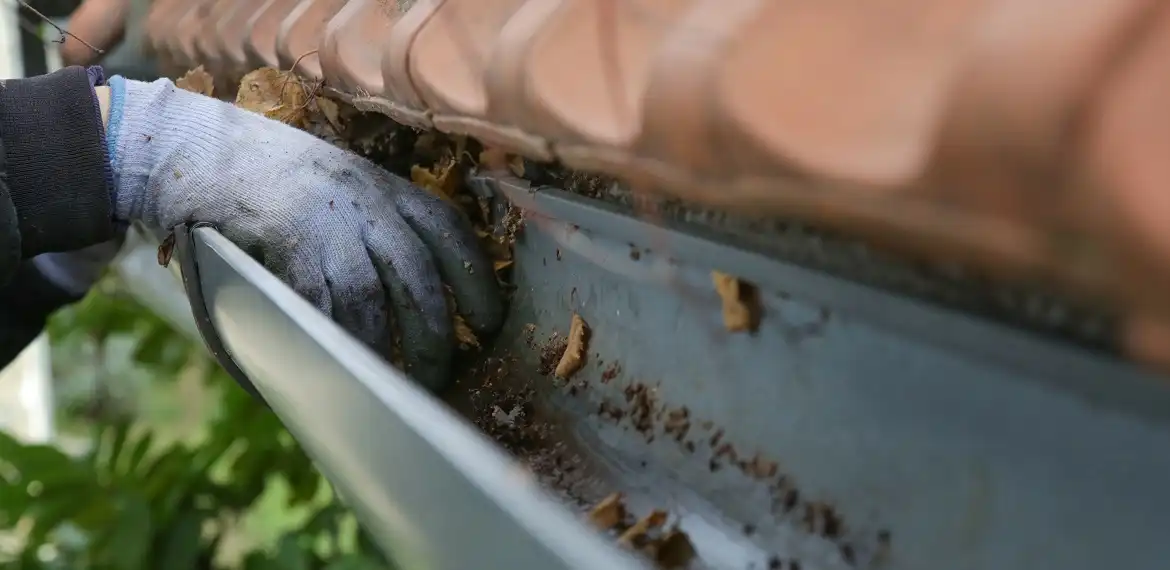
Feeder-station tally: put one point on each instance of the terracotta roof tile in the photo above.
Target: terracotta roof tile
(300, 35)
(1027, 138)
(260, 43)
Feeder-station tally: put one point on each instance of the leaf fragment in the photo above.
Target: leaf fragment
(741, 303)
(278, 95)
(197, 81)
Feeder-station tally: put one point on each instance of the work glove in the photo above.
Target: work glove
(366, 247)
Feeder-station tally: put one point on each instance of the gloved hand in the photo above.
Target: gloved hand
(369, 248)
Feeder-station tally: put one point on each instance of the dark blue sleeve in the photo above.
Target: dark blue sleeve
(55, 169)
(25, 302)
(54, 192)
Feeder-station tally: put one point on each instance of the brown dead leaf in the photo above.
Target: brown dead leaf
(276, 94)
(574, 356)
(197, 81)
(493, 159)
(741, 302)
(638, 530)
(610, 512)
(442, 180)
(496, 160)
(516, 165)
(463, 332)
(674, 550)
(166, 250)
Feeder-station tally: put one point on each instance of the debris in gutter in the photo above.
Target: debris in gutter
(741, 302)
(574, 356)
(673, 550)
(331, 111)
(508, 419)
(442, 179)
(609, 513)
(497, 161)
(668, 549)
(508, 413)
(551, 351)
(279, 95)
(635, 535)
(166, 249)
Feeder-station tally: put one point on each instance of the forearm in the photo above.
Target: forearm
(57, 168)
(103, 96)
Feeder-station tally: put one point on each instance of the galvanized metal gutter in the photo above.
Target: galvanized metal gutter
(432, 491)
(965, 443)
(971, 444)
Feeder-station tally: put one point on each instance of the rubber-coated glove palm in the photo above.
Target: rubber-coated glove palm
(365, 246)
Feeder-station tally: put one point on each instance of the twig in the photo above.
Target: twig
(59, 29)
(298, 60)
(292, 73)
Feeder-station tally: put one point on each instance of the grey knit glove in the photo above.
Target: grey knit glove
(364, 246)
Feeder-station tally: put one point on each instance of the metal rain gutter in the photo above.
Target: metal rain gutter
(429, 488)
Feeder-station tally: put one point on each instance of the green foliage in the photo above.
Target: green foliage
(135, 500)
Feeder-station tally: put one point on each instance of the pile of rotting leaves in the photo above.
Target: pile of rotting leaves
(434, 161)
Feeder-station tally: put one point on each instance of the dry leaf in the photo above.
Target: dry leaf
(609, 513)
(574, 356)
(516, 165)
(442, 180)
(493, 159)
(655, 519)
(197, 81)
(741, 302)
(674, 550)
(496, 160)
(276, 94)
(166, 250)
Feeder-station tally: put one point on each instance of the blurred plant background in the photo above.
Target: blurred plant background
(162, 462)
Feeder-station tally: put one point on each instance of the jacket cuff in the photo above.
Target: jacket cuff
(58, 168)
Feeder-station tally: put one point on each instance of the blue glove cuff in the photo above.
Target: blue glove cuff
(117, 85)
